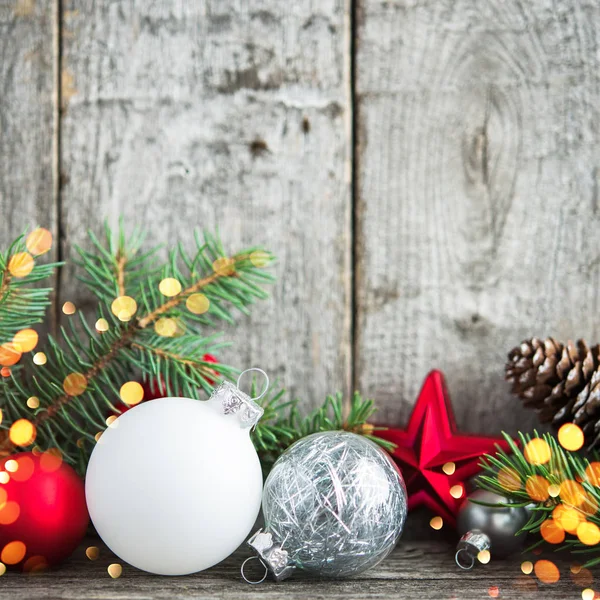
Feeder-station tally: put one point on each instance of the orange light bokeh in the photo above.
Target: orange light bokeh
(26, 339)
(537, 451)
(552, 532)
(546, 571)
(13, 552)
(39, 241)
(22, 432)
(537, 488)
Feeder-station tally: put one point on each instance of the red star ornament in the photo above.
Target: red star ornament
(428, 443)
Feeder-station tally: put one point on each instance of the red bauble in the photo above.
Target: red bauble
(429, 443)
(43, 514)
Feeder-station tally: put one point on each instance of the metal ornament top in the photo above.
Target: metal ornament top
(233, 401)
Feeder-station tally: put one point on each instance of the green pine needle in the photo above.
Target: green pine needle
(563, 465)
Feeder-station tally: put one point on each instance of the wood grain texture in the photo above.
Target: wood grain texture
(231, 114)
(478, 191)
(28, 119)
(414, 571)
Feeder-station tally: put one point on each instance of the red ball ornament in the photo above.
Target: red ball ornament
(43, 514)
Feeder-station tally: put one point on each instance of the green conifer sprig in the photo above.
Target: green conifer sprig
(70, 413)
(283, 424)
(521, 480)
(22, 305)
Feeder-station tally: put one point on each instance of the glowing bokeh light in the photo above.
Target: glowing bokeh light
(568, 517)
(436, 523)
(449, 468)
(9, 513)
(22, 432)
(527, 567)
(20, 264)
(101, 325)
(592, 473)
(123, 307)
(40, 359)
(131, 393)
(115, 570)
(197, 304)
(572, 493)
(546, 571)
(10, 354)
(456, 491)
(165, 327)
(588, 533)
(169, 287)
(26, 339)
(11, 465)
(13, 552)
(69, 308)
(537, 488)
(33, 402)
(39, 241)
(537, 451)
(552, 532)
(484, 557)
(75, 384)
(51, 460)
(25, 470)
(570, 437)
(554, 490)
(260, 258)
(224, 266)
(93, 552)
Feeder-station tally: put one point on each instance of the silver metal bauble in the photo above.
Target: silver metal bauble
(334, 505)
(488, 527)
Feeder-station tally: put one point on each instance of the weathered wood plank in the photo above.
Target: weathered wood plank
(414, 571)
(478, 194)
(230, 114)
(28, 141)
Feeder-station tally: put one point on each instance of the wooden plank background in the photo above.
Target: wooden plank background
(426, 172)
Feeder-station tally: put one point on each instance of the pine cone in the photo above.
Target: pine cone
(560, 381)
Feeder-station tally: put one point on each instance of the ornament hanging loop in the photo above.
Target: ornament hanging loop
(461, 555)
(251, 581)
(266, 387)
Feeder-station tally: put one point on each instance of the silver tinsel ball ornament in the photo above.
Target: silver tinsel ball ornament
(492, 528)
(334, 505)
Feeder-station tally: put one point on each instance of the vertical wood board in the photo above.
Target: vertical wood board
(478, 194)
(230, 114)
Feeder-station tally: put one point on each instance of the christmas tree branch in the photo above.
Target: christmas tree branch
(21, 305)
(282, 424)
(75, 388)
(560, 487)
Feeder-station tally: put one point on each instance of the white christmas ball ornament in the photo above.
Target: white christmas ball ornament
(174, 485)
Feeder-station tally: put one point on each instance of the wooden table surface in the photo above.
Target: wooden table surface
(413, 571)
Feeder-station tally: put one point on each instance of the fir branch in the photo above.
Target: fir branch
(282, 424)
(22, 306)
(566, 479)
(104, 362)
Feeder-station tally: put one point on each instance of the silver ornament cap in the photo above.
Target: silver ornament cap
(273, 557)
(486, 524)
(229, 399)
